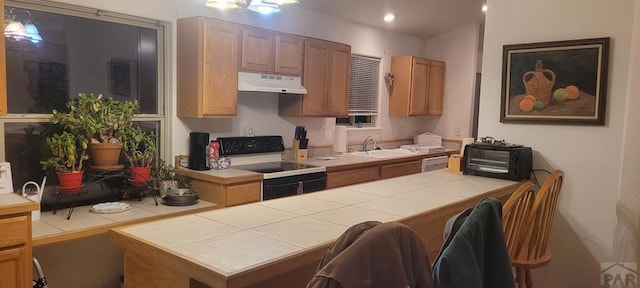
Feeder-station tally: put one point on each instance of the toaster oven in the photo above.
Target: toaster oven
(509, 162)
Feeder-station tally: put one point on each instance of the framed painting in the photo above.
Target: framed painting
(562, 82)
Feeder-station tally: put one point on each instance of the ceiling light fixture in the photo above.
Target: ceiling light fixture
(484, 7)
(263, 7)
(389, 17)
(222, 4)
(259, 6)
(282, 2)
(21, 30)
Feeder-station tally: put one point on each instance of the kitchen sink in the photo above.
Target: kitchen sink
(384, 153)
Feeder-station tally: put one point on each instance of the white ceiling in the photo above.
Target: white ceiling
(420, 18)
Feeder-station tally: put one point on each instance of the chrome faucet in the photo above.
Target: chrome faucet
(368, 144)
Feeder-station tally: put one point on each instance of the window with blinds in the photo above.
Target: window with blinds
(363, 92)
(363, 85)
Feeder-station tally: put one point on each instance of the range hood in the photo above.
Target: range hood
(270, 83)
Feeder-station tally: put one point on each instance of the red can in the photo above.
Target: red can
(214, 148)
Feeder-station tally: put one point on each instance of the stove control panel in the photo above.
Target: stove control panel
(250, 145)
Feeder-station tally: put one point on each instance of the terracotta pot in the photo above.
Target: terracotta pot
(139, 176)
(105, 154)
(70, 183)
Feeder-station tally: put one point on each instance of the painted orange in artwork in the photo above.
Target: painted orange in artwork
(572, 92)
(526, 105)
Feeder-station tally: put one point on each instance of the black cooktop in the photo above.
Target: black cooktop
(271, 167)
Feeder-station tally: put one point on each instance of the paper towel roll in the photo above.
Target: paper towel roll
(340, 139)
(465, 142)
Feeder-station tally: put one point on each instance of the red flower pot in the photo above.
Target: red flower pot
(140, 176)
(70, 183)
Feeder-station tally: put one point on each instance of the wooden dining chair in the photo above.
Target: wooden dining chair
(515, 213)
(535, 252)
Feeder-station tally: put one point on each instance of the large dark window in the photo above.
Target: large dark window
(82, 50)
(80, 55)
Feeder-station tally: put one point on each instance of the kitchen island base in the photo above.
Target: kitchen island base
(150, 262)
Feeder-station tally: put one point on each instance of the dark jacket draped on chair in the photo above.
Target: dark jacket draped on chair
(372, 254)
(474, 253)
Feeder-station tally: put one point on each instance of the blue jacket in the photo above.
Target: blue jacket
(475, 253)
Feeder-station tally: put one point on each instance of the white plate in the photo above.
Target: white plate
(110, 207)
(325, 157)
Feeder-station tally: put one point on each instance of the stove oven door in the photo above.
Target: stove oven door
(293, 185)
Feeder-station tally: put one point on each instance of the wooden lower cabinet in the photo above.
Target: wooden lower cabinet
(400, 169)
(352, 176)
(228, 194)
(14, 264)
(15, 241)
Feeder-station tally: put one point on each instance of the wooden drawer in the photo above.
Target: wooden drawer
(349, 177)
(400, 169)
(14, 231)
(243, 193)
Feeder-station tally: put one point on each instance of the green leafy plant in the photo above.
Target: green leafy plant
(68, 152)
(139, 147)
(166, 171)
(97, 118)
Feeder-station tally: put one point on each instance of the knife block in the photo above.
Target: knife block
(298, 153)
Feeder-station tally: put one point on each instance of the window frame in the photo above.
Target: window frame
(163, 73)
(366, 119)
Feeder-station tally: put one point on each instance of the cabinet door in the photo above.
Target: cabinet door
(315, 77)
(419, 87)
(338, 95)
(288, 54)
(400, 169)
(436, 88)
(243, 193)
(220, 68)
(15, 268)
(353, 176)
(257, 50)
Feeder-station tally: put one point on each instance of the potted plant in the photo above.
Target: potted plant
(174, 188)
(98, 119)
(68, 152)
(139, 148)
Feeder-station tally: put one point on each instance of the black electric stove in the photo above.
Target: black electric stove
(272, 167)
(263, 154)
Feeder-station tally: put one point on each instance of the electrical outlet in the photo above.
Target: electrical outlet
(458, 131)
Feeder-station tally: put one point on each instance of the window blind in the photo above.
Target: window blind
(363, 85)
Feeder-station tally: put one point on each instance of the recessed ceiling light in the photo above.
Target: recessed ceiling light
(484, 8)
(389, 17)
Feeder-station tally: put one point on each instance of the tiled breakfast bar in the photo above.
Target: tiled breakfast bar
(278, 243)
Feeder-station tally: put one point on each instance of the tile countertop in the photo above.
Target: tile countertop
(229, 176)
(12, 203)
(53, 228)
(347, 159)
(231, 240)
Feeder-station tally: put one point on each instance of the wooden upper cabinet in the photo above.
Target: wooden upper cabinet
(258, 50)
(207, 67)
(265, 51)
(315, 77)
(326, 78)
(289, 50)
(417, 88)
(338, 97)
(436, 88)
(418, 97)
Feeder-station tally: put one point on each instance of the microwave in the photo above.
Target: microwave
(508, 162)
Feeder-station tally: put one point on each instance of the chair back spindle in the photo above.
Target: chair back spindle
(542, 215)
(515, 213)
